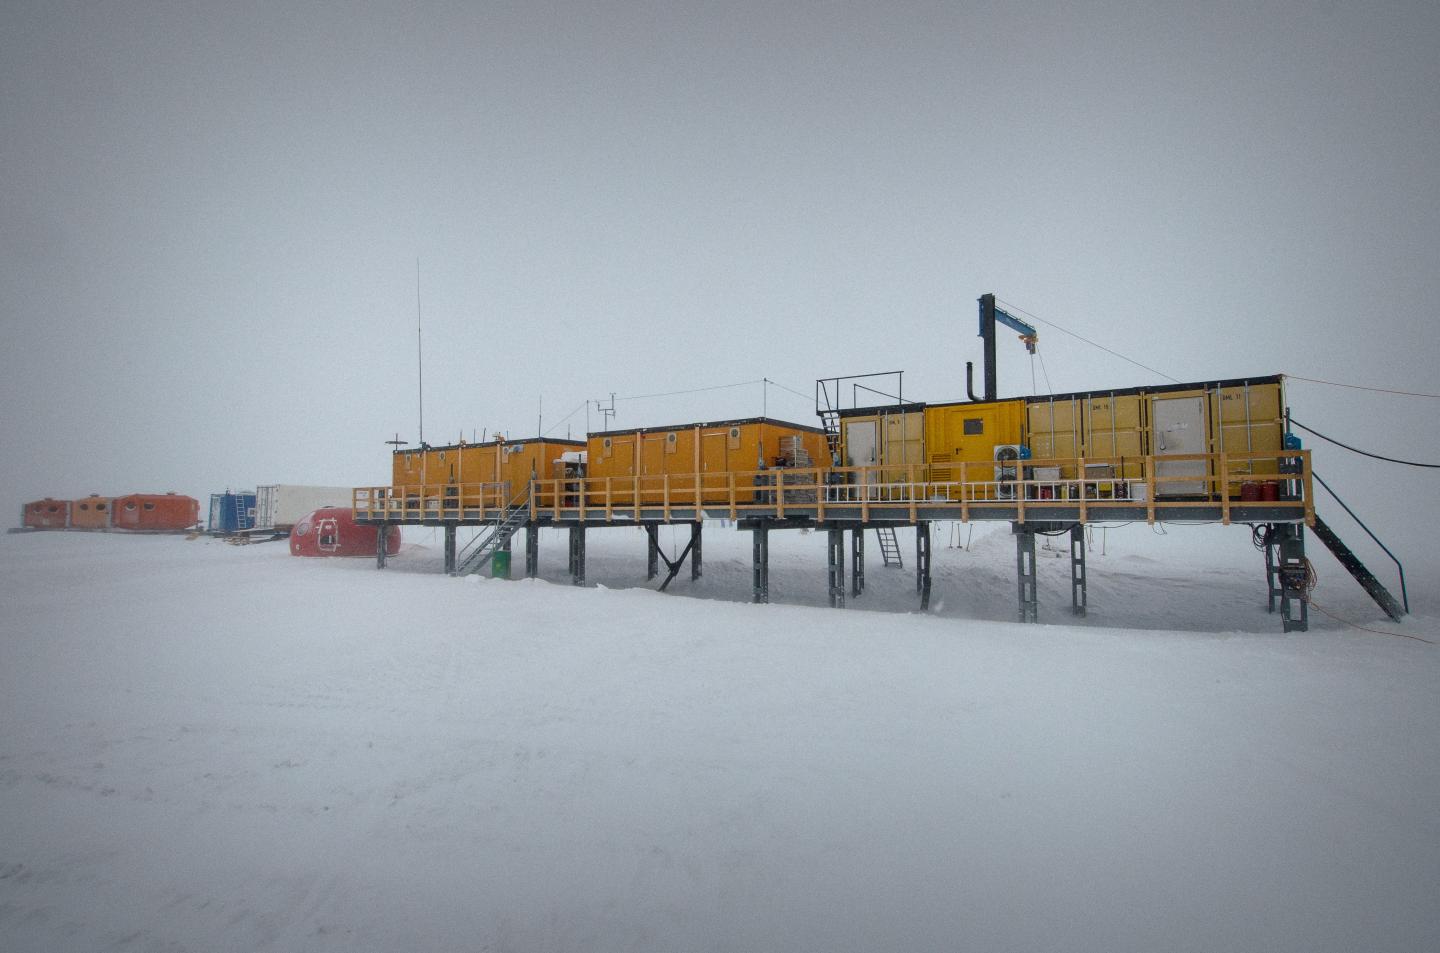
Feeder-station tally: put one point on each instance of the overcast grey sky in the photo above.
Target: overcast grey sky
(212, 214)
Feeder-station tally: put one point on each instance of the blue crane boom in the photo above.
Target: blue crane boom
(989, 315)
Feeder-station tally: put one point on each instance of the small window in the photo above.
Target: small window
(974, 426)
(100, 506)
(84, 506)
(54, 509)
(130, 507)
(149, 506)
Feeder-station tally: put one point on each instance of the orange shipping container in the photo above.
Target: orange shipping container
(47, 514)
(93, 512)
(645, 458)
(155, 511)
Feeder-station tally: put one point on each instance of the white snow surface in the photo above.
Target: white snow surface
(207, 747)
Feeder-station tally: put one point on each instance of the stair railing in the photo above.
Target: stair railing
(1404, 596)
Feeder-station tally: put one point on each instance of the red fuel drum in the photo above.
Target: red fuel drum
(332, 531)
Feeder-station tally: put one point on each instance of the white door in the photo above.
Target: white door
(1178, 424)
(860, 443)
(329, 532)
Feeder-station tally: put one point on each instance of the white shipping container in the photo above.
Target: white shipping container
(279, 506)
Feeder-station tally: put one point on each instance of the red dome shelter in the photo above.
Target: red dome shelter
(332, 531)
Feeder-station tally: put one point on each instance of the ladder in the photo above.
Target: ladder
(889, 546)
(830, 421)
(483, 547)
(1356, 568)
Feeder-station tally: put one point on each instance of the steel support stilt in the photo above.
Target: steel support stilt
(382, 536)
(450, 549)
(1290, 573)
(532, 551)
(577, 555)
(1025, 573)
(696, 529)
(1077, 569)
(504, 547)
(652, 551)
(922, 563)
(857, 562)
(760, 576)
(835, 561)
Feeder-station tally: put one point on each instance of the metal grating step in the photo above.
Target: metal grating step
(1356, 568)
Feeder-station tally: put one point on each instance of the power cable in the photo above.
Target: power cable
(1353, 625)
(804, 397)
(565, 418)
(1378, 390)
(695, 390)
(1364, 453)
(1011, 307)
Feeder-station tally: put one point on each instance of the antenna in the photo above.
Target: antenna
(608, 413)
(419, 352)
(397, 443)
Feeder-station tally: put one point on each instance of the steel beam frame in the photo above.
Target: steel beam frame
(577, 555)
(760, 574)
(922, 564)
(857, 561)
(1025, 572)
(1078, 594)
(835, 560)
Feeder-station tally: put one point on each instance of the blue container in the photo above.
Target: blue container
(231, 512)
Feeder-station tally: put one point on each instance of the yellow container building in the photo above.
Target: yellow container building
(650, 460)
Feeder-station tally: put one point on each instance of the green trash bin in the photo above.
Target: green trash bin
(500, 564)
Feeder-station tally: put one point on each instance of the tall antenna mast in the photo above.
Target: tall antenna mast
(419, 352)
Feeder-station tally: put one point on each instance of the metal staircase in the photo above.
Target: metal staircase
(1393, 607)
(1356, 568)
(889, 546)
(482, 548)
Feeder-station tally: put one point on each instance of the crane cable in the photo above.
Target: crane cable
(1364, 453)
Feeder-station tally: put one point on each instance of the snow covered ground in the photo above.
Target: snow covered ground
(205, 747)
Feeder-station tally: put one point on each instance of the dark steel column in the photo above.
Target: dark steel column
(835, 559)
(1025, 572)
(857, 562)
(1289, 540)
(1078, 598)
(922, 563)
(696, 529)
(382, 536)
(652, 550)
(577, 555)
(532, 551)
(450, 548)
(987, 330)
(760, 576)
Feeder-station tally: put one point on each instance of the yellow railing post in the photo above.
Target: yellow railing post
(964, 495)
(1309, 488)
(1224, 484)
(1149, 464)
